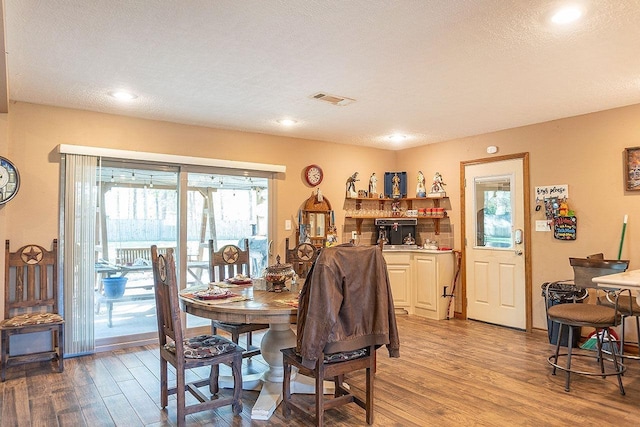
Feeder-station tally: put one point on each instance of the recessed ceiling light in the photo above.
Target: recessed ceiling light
(396, 137)
(287, 122)
(123, 95)
(566, 15)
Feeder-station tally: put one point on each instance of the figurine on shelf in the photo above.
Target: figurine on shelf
(437, 188)
(351, 186)
(421, 190)
(395, 181)
(373, 185)
(332, 236)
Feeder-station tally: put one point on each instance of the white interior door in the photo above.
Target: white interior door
(494, 251)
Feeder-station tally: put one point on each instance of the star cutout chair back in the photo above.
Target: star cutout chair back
(225, 264)
(31, 304)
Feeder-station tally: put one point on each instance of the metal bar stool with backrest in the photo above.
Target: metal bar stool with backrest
(187, 353)
(227, 263)
(598, 316)
(31, 304)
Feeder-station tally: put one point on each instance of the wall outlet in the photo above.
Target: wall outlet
(542, 225)
(354, 235)
(287, 224)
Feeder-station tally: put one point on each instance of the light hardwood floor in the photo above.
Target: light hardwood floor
(451, 372)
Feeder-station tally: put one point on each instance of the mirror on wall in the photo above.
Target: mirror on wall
(315, 218)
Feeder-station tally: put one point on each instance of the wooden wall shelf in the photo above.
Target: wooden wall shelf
(408, 202)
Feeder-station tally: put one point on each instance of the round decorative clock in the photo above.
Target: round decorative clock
(9, 180)
(313, 175)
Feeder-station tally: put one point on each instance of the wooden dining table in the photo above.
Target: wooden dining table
(258, 306)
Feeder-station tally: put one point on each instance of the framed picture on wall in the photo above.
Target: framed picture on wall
(632, 168)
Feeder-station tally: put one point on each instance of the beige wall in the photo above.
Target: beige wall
(584, 152)
(36, 130)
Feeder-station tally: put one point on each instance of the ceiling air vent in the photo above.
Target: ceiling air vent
(333, 99)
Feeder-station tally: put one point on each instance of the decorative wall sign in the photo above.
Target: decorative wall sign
(632, 168)
(565, 227)
(549, 191)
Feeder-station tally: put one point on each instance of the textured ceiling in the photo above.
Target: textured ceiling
(433, 70)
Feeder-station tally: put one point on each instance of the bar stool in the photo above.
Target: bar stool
(598, 316)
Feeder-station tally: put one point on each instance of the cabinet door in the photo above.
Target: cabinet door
(399, 268)
(426, 295)
(432, 274)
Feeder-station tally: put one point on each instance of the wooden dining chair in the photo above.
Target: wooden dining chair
(187, 353)
(31, 304)
(301, 257)
(329, 367)
(358, 317)
(226, 263)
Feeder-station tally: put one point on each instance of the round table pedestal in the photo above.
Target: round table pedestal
(278, 336)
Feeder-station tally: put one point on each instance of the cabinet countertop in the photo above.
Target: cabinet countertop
(415, 250)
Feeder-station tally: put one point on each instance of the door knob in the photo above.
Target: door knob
(518, 252)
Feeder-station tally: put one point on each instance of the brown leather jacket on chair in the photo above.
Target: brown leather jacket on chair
(346, 304)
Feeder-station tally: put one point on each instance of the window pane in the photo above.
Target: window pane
(226, 209)
(139, 208)
(493, 207)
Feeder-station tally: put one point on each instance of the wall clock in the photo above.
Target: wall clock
(9, 180)
(313, 175)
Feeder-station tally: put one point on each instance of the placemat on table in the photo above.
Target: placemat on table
(235, 298)
(291, 302)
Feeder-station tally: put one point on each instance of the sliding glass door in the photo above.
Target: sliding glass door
(137, 205)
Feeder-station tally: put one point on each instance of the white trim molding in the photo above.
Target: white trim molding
(167, 158)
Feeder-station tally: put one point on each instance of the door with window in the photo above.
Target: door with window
(496, 241)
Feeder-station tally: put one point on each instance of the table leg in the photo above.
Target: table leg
(277, 337)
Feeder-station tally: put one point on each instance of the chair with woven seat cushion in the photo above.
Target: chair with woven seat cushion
(227, 263)
(301, 257)
(31, 304)
(345, 312)
(187, 353)
(598, 316)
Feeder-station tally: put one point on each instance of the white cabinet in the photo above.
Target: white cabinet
(431, 274)
(418, 279)
(400, 278)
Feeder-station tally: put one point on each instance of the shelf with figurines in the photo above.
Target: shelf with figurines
(393, 203)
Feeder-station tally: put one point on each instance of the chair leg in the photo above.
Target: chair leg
(181, 397)
(599, 342)
(236, 368)
(638, 333)
(369, 393)
(5, 355)
(557, 353)
(569, 350)
(214, 330)
(213, 379)
(319, 393)
(616, 365)
(164, 384)
(624, 318)
(61, 348)
(286, 388)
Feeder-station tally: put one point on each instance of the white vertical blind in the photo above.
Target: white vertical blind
(80, 203)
